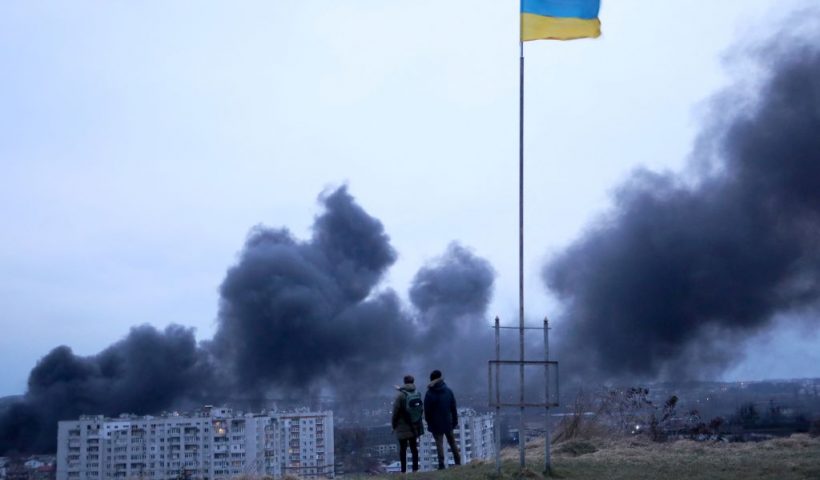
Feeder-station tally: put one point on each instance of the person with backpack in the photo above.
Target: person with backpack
(442, 416)
(408, 411)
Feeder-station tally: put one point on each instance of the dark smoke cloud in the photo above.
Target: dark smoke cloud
(680, 272)
(456, 286)
(451, 295)
(295, 318)
(291, 312)
(148, 371)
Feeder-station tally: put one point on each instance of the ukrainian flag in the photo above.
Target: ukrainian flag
(559, 19)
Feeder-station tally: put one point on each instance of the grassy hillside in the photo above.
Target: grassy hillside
(792, 458)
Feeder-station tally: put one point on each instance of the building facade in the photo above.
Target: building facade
(212, 444)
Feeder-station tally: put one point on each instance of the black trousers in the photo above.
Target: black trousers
(414, 451)
(451, 440)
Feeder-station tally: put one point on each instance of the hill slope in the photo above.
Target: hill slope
(794, 458)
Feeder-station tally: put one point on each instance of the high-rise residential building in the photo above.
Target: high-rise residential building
(306, 441)
(213, 444)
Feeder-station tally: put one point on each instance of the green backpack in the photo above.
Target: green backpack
(414, 407)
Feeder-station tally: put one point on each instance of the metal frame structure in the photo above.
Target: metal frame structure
(494, 393)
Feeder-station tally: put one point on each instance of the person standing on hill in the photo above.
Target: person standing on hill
(406, 421)
(442, 416)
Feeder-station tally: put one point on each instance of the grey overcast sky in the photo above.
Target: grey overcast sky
(139, 141)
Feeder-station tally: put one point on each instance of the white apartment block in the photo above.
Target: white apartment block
(474, 436)
(306, 444)
(211, 445)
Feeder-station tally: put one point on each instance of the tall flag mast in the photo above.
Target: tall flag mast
(543, 20)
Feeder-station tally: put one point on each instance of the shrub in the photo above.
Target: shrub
(814, 429)
(576, 448)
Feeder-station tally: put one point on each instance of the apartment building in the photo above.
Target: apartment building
(306, 444)
(212, 444)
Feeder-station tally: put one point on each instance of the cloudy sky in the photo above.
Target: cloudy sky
(139, 142)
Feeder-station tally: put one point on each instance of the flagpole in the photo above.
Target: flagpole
(587, 26)
(521, 432)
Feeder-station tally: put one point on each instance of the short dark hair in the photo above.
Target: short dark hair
(435, 374)
(409, 379)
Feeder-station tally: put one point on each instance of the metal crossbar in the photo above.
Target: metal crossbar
(524, 362)
(494, 365)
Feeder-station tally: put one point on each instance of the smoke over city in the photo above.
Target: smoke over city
(296, 318)
(292, 312)
(668, 283)
(451, 295)
(147, 371)
(671, 281)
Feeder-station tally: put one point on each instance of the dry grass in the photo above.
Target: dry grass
(794, 458)
(797, 457)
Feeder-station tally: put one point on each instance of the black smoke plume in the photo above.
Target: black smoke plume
(148, 371)
(296, 318)
(680, 272)
(451, 295)
(295, 313)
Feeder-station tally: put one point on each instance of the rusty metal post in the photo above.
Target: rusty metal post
(547, 435)
(497, 398)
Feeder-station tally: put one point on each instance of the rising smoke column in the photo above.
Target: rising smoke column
(297, 315)
(146, 372)
(677, 273)
(451, 295)
(294, 316)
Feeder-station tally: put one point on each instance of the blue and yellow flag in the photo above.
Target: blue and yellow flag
(559, 19)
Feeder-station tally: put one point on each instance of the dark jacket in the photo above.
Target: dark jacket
(400, 420)
(440, 407)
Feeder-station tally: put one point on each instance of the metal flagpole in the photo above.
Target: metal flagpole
(521, 434)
